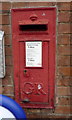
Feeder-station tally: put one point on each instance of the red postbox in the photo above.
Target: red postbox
(34, 41)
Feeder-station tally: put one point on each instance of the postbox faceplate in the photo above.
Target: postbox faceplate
(34, 36)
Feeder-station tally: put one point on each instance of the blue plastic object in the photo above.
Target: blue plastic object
(13, 107)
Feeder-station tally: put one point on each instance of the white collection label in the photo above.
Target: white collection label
(33, 54)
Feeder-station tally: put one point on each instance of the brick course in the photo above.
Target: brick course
(8, 90)
(5, 19)
(64, 6)
(7, 40)
(64, 28)
(8, 50)
(64, 101)
(63, 50)
(63, 61)
(7, 29)
(63, 84)
(6, 6)
(0, 19)
(64, 91)
(64, 81)
(7, 81)
(64, 39)
(63, 110)
(65, 71)
(64, 16)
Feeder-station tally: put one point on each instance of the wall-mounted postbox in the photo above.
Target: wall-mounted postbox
(34, 36)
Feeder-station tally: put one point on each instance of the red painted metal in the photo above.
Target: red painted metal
(34, 86)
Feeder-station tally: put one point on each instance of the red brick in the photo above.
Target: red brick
(0, 27)
(64, 16)
(71, 71)
(71, 16)
(42, 4)
(7, 80)
(64, 5)
(8, 60)
(70, 49)
(0, 89)
(63, 60)
(7, 39)
(65, 101)
(6, 19)
(29, 4)
(64, 28)
(0, 81)
(20, 4)
(8, 90)
(64, 50)
(64, 39)
(33, 116)
(64, 81)
(71, 39)
(6, 29)
(0, 6)
(64, 91)
(6, 5)
(65, 71)
(71, 27)
(61, 117)
(0, 19)
(8, 50)
(35, 111)
(46, 116)
(71, 60)
(9, 70)
(63, 110)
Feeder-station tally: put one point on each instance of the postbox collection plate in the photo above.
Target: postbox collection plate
(34, 41)
(33, 54)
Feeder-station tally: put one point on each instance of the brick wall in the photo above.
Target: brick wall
(63, 87)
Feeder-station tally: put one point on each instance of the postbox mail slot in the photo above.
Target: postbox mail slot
(33, 27)
(33, 39)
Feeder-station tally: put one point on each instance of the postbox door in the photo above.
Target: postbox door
(34, 83)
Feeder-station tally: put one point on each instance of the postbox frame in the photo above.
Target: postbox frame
(16, 62)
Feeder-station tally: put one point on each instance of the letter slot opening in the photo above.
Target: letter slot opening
(33, 27)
